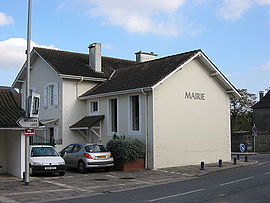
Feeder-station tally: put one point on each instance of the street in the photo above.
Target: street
(247, 184)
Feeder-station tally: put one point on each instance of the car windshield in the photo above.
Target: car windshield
(95, 148)
(43, 151)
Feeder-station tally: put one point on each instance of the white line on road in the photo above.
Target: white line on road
(236, 181)
(267, 173)
(176, 195)
(7, 200)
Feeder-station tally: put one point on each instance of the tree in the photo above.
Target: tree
(241, 111)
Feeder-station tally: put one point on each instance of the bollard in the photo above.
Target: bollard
(238, 156)
(220, 163)
(246, 158)
(234, 160)
(23, 177)
(202, 166)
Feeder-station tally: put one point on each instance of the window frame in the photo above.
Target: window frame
(91, 109)
(110, 132)
(130, 120)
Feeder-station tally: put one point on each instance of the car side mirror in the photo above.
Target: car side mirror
(63, 154)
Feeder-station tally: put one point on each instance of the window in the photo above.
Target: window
(95, 148)
(68, 149)
(135, 113)
(76, 148)
(94, 106)
(50, 95)
(113, 115)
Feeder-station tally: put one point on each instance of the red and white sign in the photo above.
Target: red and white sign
(29, 131)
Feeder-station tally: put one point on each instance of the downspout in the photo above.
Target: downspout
(77, 87)
(146, 128)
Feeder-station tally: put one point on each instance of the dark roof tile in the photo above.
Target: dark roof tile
(141, 75)
(10, 110)
(264, 102)
(71, 63)
(87, 121)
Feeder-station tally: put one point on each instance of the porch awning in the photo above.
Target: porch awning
(48, 121)
(87, 122)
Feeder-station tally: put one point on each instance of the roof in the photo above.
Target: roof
(87, 122)
(75, 64)
(264, 102)
(10, 110)
(150, 73)
(141, 75)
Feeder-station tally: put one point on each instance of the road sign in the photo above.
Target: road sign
(254, 129)
(28, 122)
(242, 147)
(29, 131)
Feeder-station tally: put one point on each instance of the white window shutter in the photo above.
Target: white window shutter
(45, 97)
(55, 94)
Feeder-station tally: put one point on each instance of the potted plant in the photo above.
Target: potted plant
(128, 153)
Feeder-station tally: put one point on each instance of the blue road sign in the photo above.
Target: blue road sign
(242, 147)
(254, 129)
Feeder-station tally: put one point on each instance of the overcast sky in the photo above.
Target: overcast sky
(234, 34)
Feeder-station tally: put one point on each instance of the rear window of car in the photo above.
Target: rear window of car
(95, 148)
(43, 151)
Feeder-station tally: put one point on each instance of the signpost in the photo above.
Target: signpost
(28, 122)
(254, 131)
(29, 131)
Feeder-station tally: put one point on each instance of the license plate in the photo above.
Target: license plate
(102, 157)
(50, 168)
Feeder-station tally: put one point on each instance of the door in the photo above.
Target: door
(66, 154)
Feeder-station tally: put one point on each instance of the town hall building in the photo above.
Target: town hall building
(178, 105)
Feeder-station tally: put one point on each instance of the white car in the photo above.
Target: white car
(45, 159)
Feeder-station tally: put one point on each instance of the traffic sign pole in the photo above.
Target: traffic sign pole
(254, 131)
(27, 112)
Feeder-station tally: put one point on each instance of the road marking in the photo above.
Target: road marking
(236, 181)
(176, 195)
(65, 185)
(7, 200)
(39, 191)
(267, 173)
(111, 176)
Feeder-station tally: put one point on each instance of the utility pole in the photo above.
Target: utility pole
(27, 106)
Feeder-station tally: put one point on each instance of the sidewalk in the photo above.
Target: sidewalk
(51, 187)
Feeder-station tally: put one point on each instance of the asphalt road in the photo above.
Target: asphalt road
(249, 184)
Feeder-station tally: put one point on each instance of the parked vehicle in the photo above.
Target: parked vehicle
(87, 155)
(45, 159)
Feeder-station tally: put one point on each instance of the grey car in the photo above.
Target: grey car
(87, 155)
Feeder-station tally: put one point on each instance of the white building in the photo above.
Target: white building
(12, 142)
(178, 105)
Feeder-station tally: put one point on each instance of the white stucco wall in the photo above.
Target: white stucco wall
(3, 157)
(123, 116)
(188, 131)
(12, 152)
(73, 108)
(40, 76)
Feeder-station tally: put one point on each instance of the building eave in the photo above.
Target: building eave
(75, 77)
(108, 94)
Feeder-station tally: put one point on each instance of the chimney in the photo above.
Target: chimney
(95, 56)
(144, 56)
(261, 94)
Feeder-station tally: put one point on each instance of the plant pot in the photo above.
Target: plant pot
(133, 165)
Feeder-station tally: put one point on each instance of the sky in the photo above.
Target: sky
(234, 34)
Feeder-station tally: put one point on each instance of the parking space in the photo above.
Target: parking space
(48, 187)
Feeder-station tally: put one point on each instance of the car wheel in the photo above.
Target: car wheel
(107, 169)
(62, 173)
(81, 167)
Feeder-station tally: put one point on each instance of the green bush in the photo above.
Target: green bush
(126, 149)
